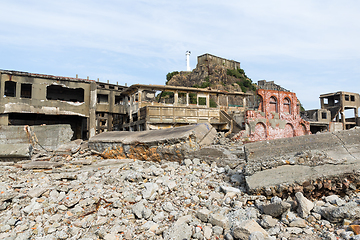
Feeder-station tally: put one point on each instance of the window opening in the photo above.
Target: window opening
(102, 98)
(192, 98)
(56, 92)
(323, 115)
(181, 98)
(118, 100)
(287, 105)
(347, 98)
(25, 91)
(10, 89)
(273, 104)
(352, 98)
(202, 101)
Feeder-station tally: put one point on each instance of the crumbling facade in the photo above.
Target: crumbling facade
(156, 106)
(88, 106)
(334, 114)
(277, 116)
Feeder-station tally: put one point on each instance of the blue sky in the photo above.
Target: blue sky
(309, 47)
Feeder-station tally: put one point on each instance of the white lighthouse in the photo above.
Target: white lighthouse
(188, 61)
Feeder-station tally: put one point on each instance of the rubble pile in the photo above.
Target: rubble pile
(73, 193)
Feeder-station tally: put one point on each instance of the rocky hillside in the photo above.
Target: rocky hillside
(214, 76)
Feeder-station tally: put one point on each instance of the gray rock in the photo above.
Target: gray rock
(299, 222)
(217, 231)
(246, 228)
(220, 220)
(179, 230)
(207, 232)
(268, 222)
(138, 209)
(150, 190)
(350, 211)
(276, 209)
(256, 236)
(168, 207)
(304, 205)
(226, 189)
(203, 214)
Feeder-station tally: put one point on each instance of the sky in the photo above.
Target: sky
(309, 47)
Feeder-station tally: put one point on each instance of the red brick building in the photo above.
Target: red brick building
(277, 116)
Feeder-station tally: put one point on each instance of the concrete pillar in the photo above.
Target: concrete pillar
(4, 119)
(218, 100)
(187, 99)
(356, 113)
(208, 100)
(139, 106)
(130, 109)
(92, 109)
(227, 101)
(343, 119)
(176, 98)
(244, 102)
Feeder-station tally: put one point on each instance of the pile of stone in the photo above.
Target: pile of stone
(72, 193)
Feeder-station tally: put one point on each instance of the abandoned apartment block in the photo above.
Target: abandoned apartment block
(339, 111)
(33, 99)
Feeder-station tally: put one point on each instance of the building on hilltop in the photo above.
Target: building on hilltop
(209, 58)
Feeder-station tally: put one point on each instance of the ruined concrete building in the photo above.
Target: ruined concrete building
(339, 111)
(33, 99)
(156, 106)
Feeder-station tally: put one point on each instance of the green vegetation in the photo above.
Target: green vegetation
(212, 103)
(204, 84)
(170, 75)
(244, 82)
(193, 98)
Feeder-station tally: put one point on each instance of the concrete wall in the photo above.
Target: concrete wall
(38, 102)
(48, 136)
(211, 59)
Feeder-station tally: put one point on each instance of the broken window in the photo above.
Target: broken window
(347, 98)
(213, 101)
(102, 98)
(323, 115)
(326, 101)
(118, 100)
(287, 105)
(273, 104)
(10, 89)
(165, 97)
(193, 98)
(25, 91)
(148, 96)
(352, 98)
(202, 101)
(57, 92)
(182, 98)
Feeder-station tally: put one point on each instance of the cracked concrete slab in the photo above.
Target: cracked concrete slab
(302, 159)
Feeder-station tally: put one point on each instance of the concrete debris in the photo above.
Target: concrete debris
(75, 193)
(325, 163)
(171, 144)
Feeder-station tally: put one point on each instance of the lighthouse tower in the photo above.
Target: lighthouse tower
(188, 61)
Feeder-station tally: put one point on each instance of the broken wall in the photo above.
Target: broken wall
(277, 117)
